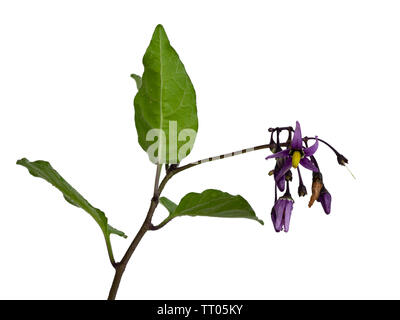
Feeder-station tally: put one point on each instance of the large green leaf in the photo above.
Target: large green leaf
(165, 105)
(210, 203)
(43, 169)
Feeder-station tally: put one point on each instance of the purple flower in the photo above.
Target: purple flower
(325, 199)
(281, 213)
(295, 154)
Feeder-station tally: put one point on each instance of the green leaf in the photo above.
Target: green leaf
(210, 203)
(138, 80)
(165, 105)
(168, 204)
(43, 169)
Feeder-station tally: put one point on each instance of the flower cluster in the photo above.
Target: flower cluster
(296, 152)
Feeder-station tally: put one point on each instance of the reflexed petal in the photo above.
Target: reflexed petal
(297, 142)
(306, 163)
(279, 210)
(281, 184)
(280, 154)
(285, 168)
(311, 150)
(288, 214)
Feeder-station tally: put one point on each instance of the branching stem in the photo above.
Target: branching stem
(147, 225)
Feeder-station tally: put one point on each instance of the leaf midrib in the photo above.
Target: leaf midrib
(161, 98)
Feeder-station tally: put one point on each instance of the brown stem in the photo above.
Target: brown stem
(120, 267)
(162, 224)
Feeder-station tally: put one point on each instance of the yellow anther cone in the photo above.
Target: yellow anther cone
(296, 159)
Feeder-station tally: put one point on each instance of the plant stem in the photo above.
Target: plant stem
(162, 224)
(226, 155)
(323, 141)
(158, 188)
(109, 251)
(120, 267)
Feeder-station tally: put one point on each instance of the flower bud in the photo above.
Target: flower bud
(281, 213)
(325, 199)
(341, 159)
(302, 190)
(289, 176)
(273, 146)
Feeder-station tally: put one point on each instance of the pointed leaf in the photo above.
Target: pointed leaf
(43, 169)
(165, 105)
(211, 203)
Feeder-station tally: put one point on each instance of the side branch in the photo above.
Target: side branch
(226, 155)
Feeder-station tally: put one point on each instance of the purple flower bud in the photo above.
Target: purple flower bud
(281, 213)
(325, 199)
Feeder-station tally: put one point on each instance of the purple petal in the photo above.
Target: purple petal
(277, 228)
(280, 154)
(281, 184)
(311, 150)
(288, 214)
(273, 215)
(285, 168)
(279, 210)
(306, 163)
(326, 199)
(297, 142)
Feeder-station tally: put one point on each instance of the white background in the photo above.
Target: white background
(66, 97)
